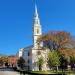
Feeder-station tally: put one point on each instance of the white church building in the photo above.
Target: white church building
(32, 53)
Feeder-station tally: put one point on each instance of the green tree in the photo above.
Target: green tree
(21, 63)
(62, 42)
(40, 63)
(53, 59)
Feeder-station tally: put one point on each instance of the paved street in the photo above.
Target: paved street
(7, 71)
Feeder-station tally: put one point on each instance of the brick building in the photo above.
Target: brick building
(12, 61)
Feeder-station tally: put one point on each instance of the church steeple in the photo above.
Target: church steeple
(36, 18)
(36, 13)
(37, 30)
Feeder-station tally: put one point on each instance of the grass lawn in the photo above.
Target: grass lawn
(45, 72)
(54, 72)
(41, 72)
(70, 72)
(59, 72)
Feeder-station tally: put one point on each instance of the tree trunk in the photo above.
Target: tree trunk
(57, 68)
(69, 66)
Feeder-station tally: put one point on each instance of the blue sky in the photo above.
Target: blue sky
(16, 21)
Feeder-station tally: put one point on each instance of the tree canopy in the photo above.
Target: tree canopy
(63, 42)
(21, 63)
(56, 40)
(53, 59)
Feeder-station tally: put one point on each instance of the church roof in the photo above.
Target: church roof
(28, 47)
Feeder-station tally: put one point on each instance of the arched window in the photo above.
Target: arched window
(37, 31)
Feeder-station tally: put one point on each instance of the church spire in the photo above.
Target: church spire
(35, 9)
(36, 18)
(37, 30)
(36, 12)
